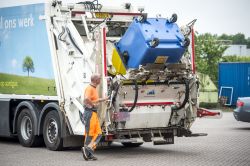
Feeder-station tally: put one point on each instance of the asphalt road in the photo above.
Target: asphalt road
(227, 143)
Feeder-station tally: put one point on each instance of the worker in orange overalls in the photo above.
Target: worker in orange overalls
(92, 126)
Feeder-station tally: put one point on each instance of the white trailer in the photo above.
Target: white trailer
(48, 53)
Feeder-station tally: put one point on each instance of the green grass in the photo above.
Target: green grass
(22, 85)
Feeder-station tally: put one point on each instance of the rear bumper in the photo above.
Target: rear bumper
(241, 115)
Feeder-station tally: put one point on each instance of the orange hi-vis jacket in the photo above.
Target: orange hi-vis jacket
(92, 126)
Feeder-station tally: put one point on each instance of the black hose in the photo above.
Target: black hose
(186, 97)
(60, 35)
(184, 102)
(93, 28)
(72, 40)
(176, 82)
(136, 96)
(116, 89)
(90, 5)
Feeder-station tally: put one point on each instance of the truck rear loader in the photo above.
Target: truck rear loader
(49, 51)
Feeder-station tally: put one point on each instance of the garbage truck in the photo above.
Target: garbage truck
(48, 52)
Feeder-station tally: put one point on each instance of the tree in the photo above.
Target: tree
(225, 37)
(28, 65)
(248, 42)
(239, 38)
(208, 54)
(235, 59)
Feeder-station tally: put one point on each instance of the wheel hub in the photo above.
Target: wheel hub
(52, 131)
(26, 128)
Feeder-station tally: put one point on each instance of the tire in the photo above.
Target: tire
(26, 129)
(52, 131)
(130, 144)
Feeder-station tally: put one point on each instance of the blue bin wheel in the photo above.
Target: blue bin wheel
(142, 18)
(186, 42)
(173, 19)
(154, 43)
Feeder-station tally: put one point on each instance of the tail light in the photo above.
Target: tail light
(240, 103)
(109, 137)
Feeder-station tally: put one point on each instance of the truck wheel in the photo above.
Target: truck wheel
(26, 129)
(130, 144)
(52, 131)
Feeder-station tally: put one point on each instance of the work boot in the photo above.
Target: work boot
(89, 150)
(92, 157)
(84, 154)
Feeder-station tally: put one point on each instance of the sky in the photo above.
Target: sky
(213, 16)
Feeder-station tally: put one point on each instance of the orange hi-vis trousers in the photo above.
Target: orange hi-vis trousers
(92, 130)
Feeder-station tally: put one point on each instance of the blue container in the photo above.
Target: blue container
(137, 42)
(234, 80)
